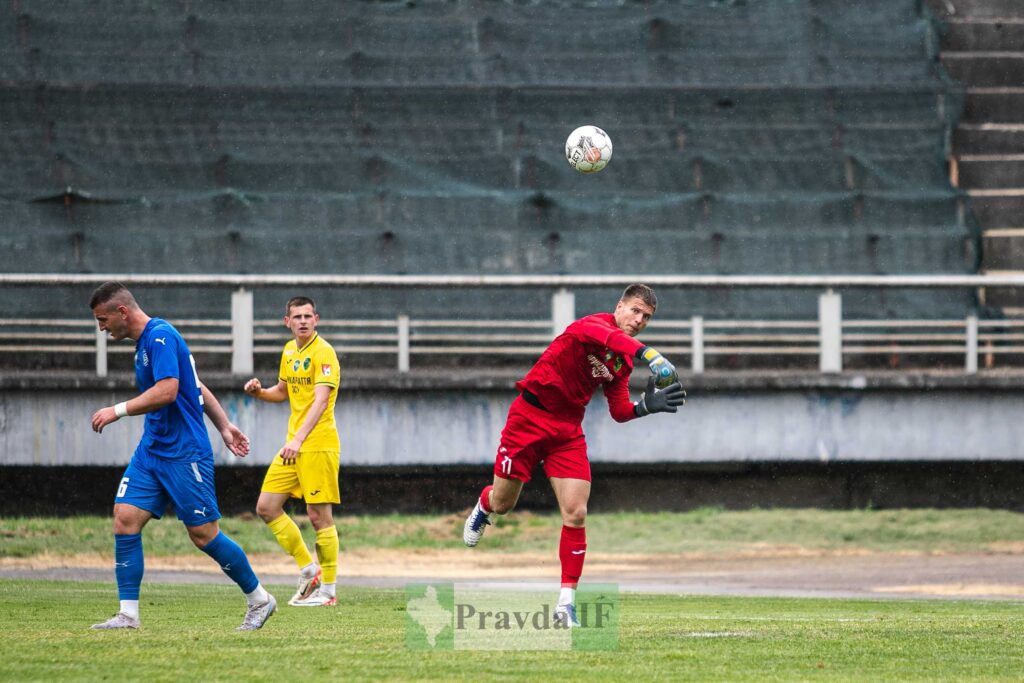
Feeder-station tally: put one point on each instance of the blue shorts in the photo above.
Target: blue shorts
(151, 483)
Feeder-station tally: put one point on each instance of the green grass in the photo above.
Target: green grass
(188, 635)
(707, 530)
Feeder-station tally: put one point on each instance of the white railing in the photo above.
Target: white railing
(406, 337)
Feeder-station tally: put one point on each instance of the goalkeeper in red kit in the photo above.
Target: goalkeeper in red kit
(545, 422)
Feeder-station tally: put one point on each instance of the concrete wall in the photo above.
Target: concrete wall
(432, 422)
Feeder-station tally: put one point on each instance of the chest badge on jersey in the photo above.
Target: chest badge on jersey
(295, 365)
(617, 365)
(305, 363)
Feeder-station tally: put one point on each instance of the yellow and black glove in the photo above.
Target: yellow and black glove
(664, 372)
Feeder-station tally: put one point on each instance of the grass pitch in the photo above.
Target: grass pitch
(188, 635)
(188, 630)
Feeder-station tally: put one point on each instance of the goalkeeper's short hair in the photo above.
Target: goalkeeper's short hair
(642, 292)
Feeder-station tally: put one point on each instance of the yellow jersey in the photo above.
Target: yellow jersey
(302, 370)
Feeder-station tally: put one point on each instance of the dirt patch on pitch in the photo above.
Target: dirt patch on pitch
(391, 563)
(960, 590)
(456, 563)
(766, 568)
(757, 571)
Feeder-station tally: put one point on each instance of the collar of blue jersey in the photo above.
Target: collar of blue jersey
(145, 330)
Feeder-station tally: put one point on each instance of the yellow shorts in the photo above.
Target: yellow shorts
(313, 477)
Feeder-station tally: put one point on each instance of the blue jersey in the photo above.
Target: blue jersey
(176, 431)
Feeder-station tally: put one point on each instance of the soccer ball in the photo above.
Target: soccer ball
(588, 149)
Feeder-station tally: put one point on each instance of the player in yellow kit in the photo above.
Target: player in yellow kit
(307, 466)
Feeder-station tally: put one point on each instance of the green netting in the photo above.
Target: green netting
(795, 42)
(126, 143)
(766, 136)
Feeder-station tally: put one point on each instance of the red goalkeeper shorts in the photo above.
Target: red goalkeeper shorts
(532, 435)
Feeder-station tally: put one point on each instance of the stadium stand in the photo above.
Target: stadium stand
(426, 137)
(809, 136)
(981, 47)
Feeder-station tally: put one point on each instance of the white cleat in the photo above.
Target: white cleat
(565, 616)
(119, 620)
(475, 525)
(319, 598)
(257, 615)
(306, 587)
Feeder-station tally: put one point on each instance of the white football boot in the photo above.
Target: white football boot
(319, 598)
(119, 620)
(475, 525)
(257, 615)
(307, 586)
(565, 615)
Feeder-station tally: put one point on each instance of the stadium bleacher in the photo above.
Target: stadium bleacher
(757, 137)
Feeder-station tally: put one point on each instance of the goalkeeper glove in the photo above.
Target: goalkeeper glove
(659, 400)
(664, 372)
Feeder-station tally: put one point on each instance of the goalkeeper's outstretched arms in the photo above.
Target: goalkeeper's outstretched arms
(655, 400)
(664, 372)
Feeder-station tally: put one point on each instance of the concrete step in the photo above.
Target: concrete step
(994, 105)
(985, 69)
(1010, 301)
(989, 138)
(990, 171)
(995, 208)
(971, 35)
(1002, 250)
(977, 8)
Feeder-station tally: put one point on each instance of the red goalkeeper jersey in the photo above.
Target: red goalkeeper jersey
(592, 352)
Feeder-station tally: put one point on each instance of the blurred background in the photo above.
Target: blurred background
(388, 157)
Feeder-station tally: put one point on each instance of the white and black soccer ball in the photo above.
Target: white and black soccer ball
(588, 149)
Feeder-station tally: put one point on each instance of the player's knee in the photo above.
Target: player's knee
(267, 512)
(126, 524)
(501, 505)
(122, 527)
(575, 515)
(202, 535)
(320, 519)
(199, 540)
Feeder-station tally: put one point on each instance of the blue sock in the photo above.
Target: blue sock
(128, 565)
(231, 558)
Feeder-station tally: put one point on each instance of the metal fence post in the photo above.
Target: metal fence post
(563, 310)
(101, 353)
(697, 344)
(403, 343)
(830, 332)
(241, 332)
(971, 359)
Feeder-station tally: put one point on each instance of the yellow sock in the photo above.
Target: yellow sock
(327, 552)
(290, 538)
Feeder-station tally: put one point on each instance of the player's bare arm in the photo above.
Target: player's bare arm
(236, 441)
(275, 394)
(159, 395)
(321, 397)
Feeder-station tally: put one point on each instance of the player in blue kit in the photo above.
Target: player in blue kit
(173, 462)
